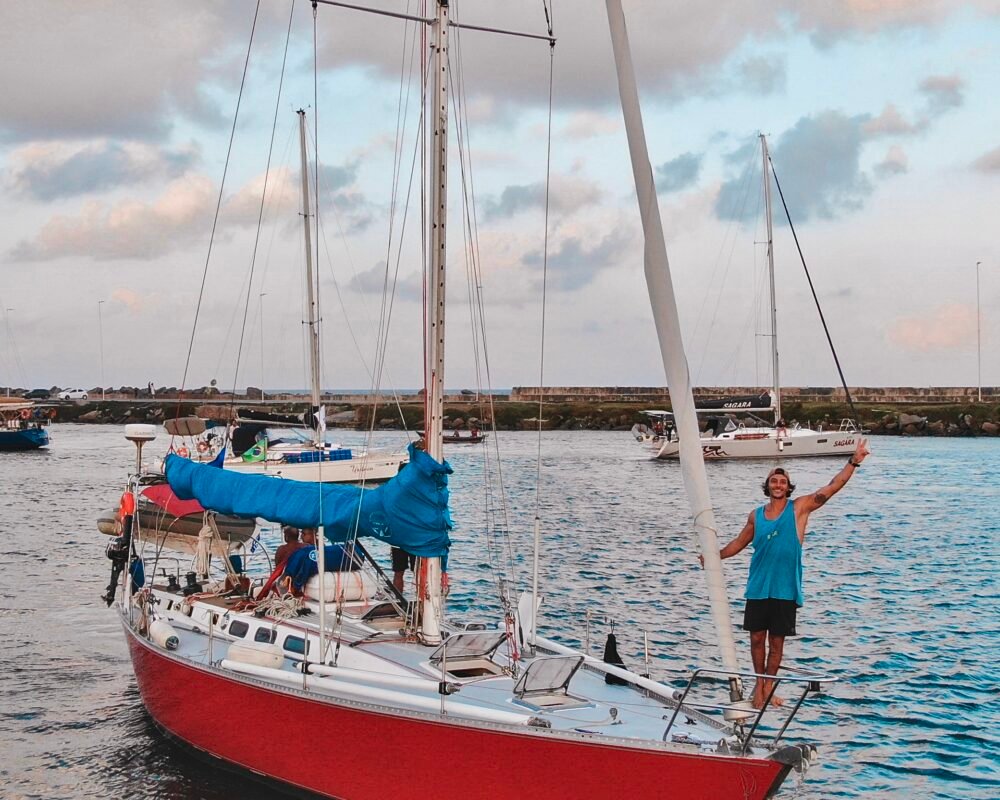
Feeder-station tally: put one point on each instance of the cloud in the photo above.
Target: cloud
(988, 162)
(894, 163)
(567, 194)
(674, 56)
(47, 171)
(573, 263)
(678, 173)
(948, 327)
(590, 124)
(890, 122)
(942, 93)
(830, 22)
(284, 198)
(818, 164)
(130, 229)
(62, 80)
(373, 281)
(762, 74)
(131, 300)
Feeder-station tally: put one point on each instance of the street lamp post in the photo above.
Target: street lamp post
(100, 339)
(10, 341)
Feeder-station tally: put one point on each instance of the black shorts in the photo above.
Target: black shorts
(777, 617)
(401, 560)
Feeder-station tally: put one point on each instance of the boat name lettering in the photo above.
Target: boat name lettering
(843, 443)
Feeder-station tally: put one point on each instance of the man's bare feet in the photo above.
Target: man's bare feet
(761, 690)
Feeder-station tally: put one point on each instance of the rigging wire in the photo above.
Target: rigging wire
(260, 211)
(740, 214)
(495, 548)
(218, 208)
(541, 350)
(389, 294)
(822, 319)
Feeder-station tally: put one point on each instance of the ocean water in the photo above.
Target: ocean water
(902, 605)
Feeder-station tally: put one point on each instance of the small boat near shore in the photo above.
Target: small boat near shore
(474, 436)
(23, 425)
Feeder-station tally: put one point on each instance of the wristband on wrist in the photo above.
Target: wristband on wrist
(854, 463)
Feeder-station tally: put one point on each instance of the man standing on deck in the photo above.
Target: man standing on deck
(774, 585)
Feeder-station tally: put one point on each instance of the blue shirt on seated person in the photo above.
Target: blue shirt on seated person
(302, 564)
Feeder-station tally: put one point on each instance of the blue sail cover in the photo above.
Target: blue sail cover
(410, 511)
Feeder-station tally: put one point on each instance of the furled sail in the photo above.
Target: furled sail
(410, 511)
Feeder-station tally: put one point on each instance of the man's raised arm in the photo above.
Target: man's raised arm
(818, 498)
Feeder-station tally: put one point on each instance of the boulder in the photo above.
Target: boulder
(990, 428)
(937, 427)
(912, 419)
(910, 430)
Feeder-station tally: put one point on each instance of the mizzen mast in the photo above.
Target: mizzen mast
(318, 427)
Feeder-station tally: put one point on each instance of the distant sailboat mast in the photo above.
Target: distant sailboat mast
(429, 582)
(770, 272)
(318, 425)
(668, 329)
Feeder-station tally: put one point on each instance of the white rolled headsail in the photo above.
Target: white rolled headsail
(668, 329)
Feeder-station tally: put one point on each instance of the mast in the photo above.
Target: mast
(314, 370)
(429, 582)
(668, 329)
(313, 322)
(770, 273)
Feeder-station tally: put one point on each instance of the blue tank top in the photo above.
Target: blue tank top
(776, 564)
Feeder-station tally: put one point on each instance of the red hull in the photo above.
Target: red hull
(372, 755)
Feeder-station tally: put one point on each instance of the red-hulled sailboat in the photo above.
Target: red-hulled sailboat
(413, 703)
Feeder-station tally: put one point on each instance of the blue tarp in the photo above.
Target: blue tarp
(410, 511)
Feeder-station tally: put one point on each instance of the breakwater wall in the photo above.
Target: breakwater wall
(909, 419)
(922, 395)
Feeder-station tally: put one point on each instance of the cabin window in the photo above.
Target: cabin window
(238, 629)
(822, 441)
(265, 635)
(295, 644)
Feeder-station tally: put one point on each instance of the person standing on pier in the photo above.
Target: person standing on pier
(777, 530)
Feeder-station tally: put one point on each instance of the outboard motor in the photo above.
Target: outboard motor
(117, 551)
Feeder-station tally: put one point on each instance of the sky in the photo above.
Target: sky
(134, 206)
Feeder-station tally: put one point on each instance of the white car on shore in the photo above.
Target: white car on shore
(73, 394)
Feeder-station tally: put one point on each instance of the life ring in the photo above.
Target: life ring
(25, 413)
(202, 447)
(183, 452)
(126, 505)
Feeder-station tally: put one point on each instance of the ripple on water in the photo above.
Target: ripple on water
(902, 604)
